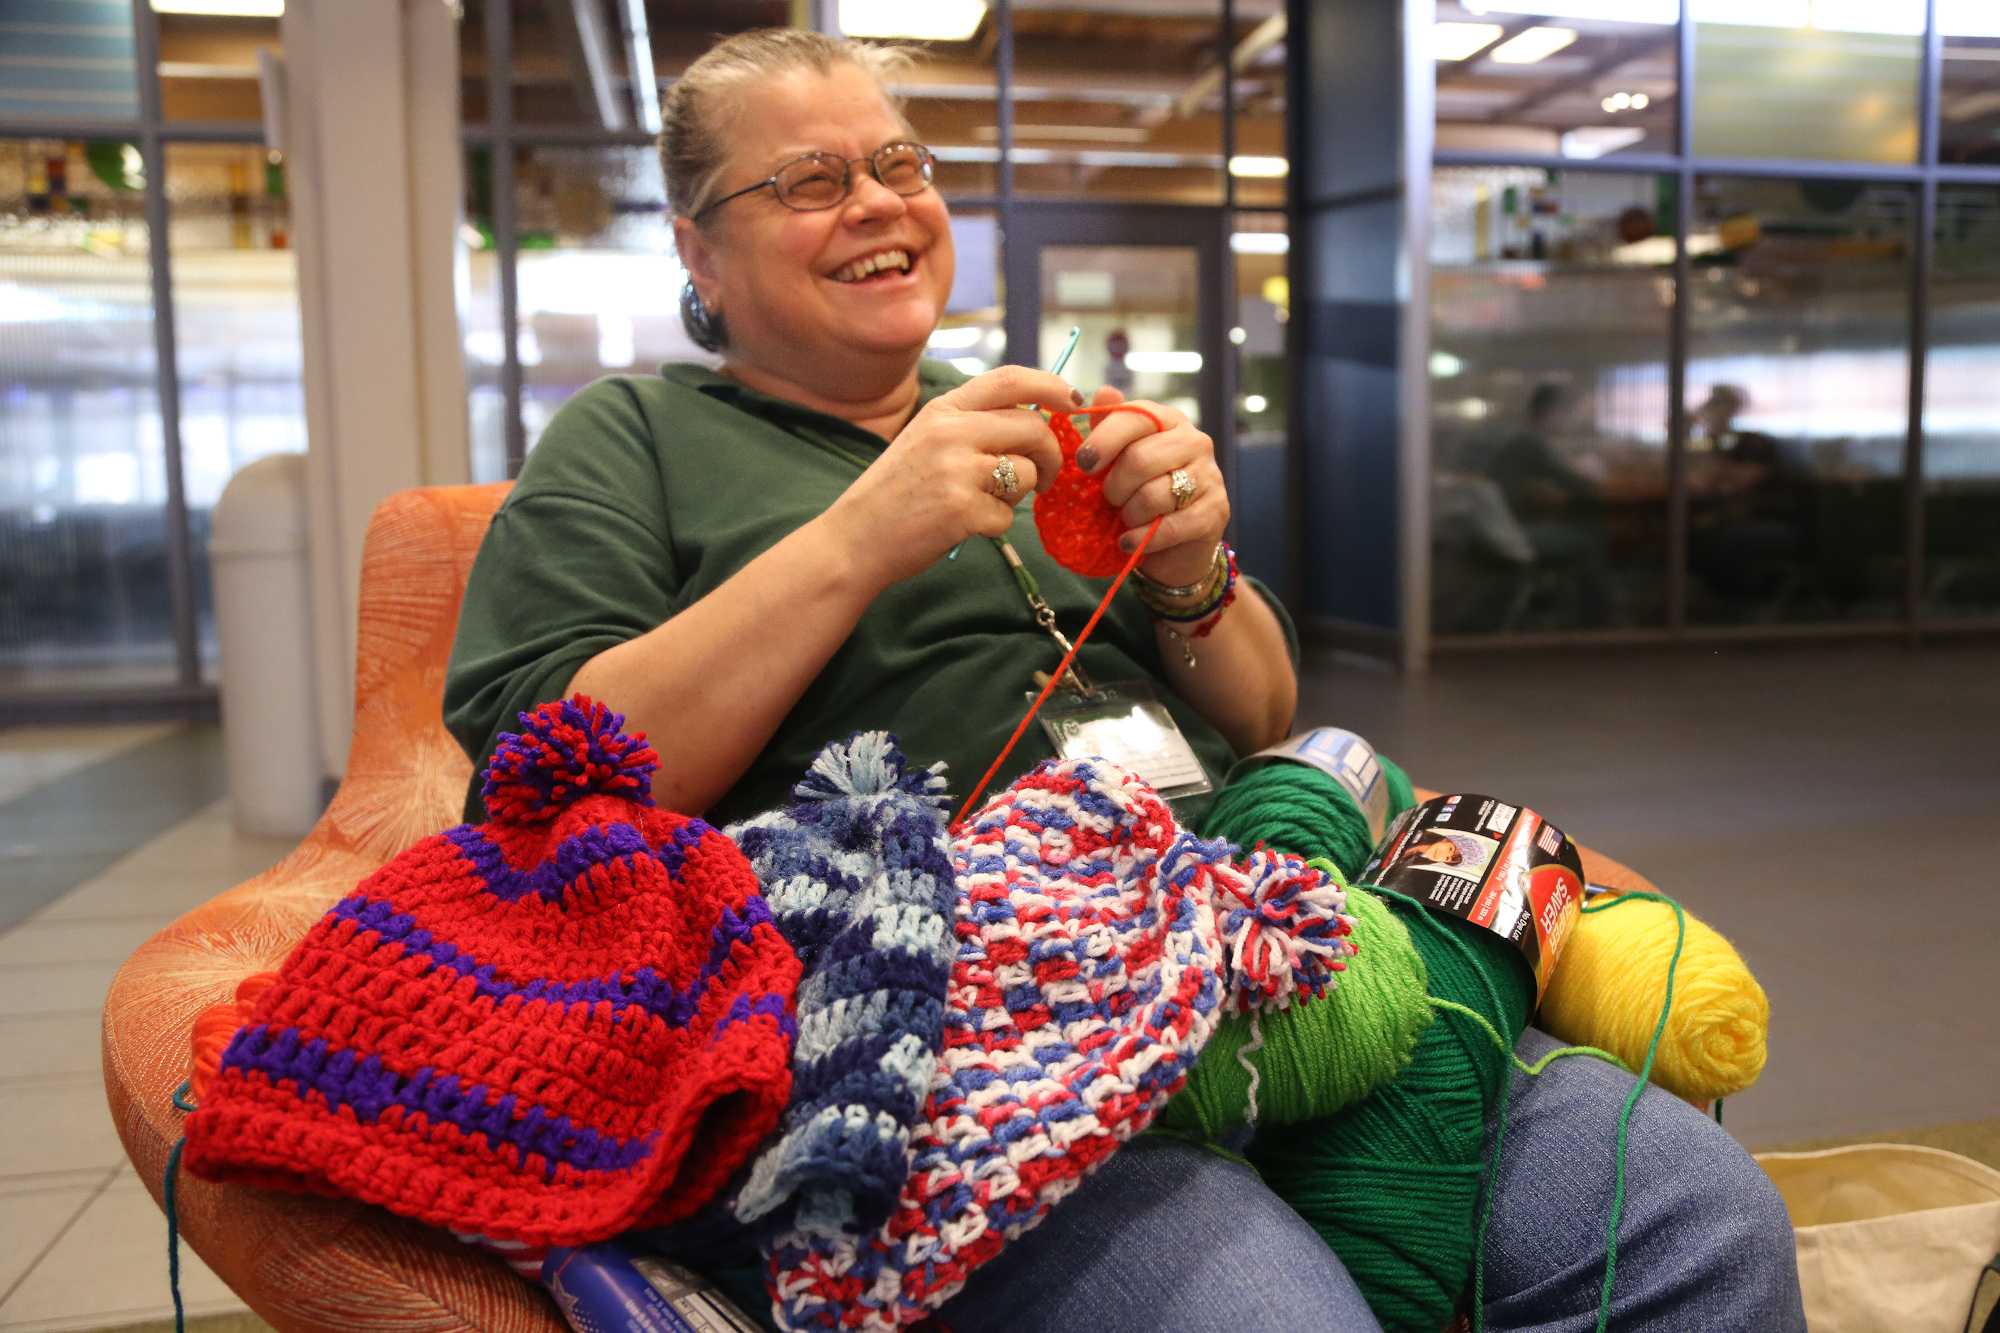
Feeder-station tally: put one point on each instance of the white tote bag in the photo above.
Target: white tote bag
(1892, 1238)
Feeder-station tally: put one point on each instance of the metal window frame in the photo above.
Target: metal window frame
(1684, 164)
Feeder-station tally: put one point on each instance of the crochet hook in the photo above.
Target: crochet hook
(1062, 359)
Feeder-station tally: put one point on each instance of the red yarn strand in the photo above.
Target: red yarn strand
(1097, 615)
(1131, 563)
(1060, 671)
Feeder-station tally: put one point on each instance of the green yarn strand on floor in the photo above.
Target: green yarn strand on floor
(1394, 1184)
(1321, 1055)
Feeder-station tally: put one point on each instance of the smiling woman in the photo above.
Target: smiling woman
(749, 561)
(796, 198)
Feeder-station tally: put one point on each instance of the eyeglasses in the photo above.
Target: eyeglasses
(821, 180)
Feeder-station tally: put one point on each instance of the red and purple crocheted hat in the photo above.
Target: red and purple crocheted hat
(571, 1020)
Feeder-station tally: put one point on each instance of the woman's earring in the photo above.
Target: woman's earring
(702, 324)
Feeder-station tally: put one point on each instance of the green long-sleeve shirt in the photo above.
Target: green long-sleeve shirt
(648, 492)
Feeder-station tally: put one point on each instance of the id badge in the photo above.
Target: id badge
(1127, 724)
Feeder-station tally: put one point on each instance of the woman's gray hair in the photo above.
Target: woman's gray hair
(702, 104)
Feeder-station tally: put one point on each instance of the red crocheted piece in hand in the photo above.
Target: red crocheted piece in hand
(1078, 527)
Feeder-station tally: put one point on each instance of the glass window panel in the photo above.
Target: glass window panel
(972, 333)
(1575, 78)
(1833, 79)
(486, 403)
(479, 324)
(1551, 304)
(83, 518)
(1798, 376)
(599, 285)
(208, 66)
(1263, 388)
(68, 60)
(1969, 94)
(1260, 106)
(1962, 410)
(236, 324)
(1124, 105)
(1137, 308)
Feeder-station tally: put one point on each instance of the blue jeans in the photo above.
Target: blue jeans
(1169, 1237)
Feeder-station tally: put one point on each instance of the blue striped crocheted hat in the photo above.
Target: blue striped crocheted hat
(859, 879)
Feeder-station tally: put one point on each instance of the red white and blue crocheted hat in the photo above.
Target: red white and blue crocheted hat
(1098, 945)
(573, 1019)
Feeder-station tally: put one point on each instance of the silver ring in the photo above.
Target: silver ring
(1006, 483)
(1183, 488)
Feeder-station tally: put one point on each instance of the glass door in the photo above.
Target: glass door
(1146, 285)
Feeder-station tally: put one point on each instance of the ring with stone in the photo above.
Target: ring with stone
(1006, 482)
(1182, 486)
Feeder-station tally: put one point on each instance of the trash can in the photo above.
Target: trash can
(263, 628)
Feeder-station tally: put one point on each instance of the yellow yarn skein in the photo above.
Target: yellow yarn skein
(1606, 992)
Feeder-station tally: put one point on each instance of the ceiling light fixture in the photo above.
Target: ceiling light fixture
(1594, 141)
(241, 9)
(932, 21)
(1533, 45)
(1250, 165)
(1968, 18)
(1260, 242)
(1163, 363)
(1457, 41)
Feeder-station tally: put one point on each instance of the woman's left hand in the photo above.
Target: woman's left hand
(1137, 463)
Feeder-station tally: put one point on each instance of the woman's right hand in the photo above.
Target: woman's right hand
(933, 487)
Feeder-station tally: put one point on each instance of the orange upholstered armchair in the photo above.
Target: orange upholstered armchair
(319, 1264)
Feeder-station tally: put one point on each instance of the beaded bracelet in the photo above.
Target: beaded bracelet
(1210, 614)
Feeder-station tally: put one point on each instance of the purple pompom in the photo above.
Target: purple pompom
(566, 750)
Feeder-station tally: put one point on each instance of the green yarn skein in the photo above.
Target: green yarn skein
(1320, 1055)
(1394, 1184)
(1297, 808)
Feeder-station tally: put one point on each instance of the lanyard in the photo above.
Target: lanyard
(1045, 615)
(1024, 578)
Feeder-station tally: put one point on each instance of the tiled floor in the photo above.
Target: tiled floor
(82, 1244)
(1828, 808)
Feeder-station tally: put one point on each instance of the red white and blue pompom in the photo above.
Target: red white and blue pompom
(566, 749)
(1284, 927)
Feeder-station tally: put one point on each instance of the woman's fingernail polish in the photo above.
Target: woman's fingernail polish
(1128, 543)
(1086, 458)
(1076, 396)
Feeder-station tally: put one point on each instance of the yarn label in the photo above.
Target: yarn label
(1127, 724)
(612, 1288)
(1500, 867)
(1342, 756)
